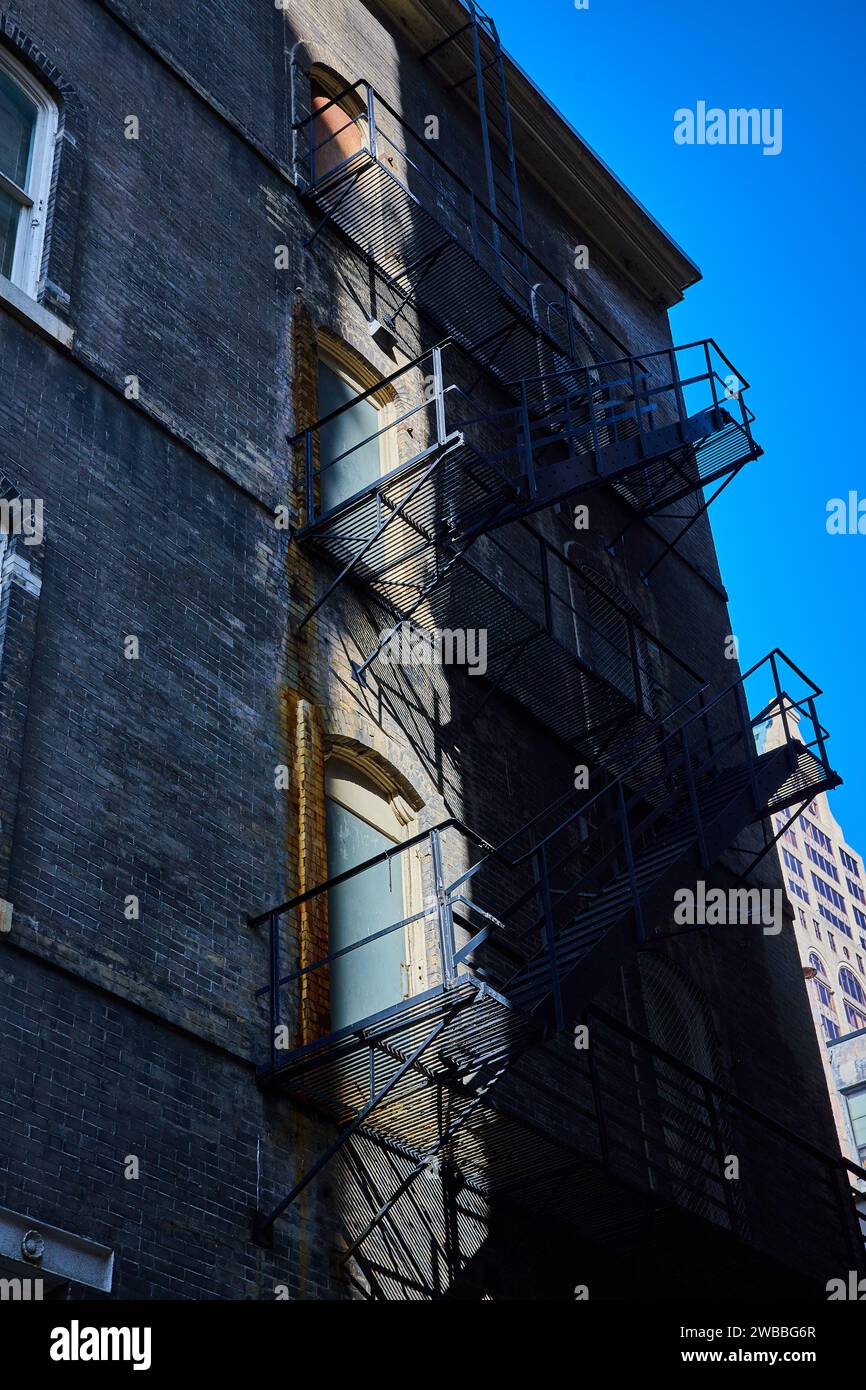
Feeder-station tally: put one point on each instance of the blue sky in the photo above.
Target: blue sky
(779, 240)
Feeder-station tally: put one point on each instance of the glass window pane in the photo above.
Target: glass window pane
(369, 978)
(857, 1105)
(17, 122)
(10, 214)
(349, 453)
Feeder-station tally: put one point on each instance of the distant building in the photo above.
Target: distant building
(825, 880)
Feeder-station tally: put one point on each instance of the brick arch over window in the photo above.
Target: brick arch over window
(357, 740)
(328, 114)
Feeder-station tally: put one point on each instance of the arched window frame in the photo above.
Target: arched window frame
(35, 195)
(851, 985)
(345, 98)
(816, 961)
(398, 823)
(343, 360)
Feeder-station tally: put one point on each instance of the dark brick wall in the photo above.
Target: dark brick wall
(155, 777)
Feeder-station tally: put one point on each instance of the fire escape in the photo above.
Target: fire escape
(524, 940)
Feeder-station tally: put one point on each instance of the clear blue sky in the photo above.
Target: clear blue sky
(780, 241)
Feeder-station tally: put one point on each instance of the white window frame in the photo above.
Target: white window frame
(30, 236)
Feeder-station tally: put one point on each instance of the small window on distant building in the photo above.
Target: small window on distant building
(856, 1020)
(857, 1112)
(850, 863)
(28, 124)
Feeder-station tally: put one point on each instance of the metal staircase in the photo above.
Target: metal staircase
(475, 1074)
(527, 938)
(438, 247)
(442, 537)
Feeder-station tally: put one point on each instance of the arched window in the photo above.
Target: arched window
(851, 985)
(355, 447)
(339, 126)
(816, 961)
(364, 819)
(28, 125)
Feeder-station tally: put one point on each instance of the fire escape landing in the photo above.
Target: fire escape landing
(528, 936)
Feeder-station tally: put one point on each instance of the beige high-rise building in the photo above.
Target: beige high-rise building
(825, 880)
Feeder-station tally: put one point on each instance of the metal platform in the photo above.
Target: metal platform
(430, 1074)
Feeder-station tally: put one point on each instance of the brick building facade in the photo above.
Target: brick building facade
(171, 707)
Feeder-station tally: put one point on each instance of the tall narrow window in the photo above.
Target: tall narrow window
(362, 822)
(28, 122)
(355, 447)
(857, 1112)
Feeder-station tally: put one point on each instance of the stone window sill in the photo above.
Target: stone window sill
(31, 312)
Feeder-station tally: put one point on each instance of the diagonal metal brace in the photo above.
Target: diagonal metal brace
(263, 1225)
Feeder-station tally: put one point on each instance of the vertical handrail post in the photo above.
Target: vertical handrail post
(546, 594)
(440, 396)
(819, 733)
(372, 142)
(678, 389)
(781, 698)
(748, 740)
(711, 375)
(444, 913)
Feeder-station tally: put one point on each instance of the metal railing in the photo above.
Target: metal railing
(631, 398)
(527, 891)
(669, 399)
